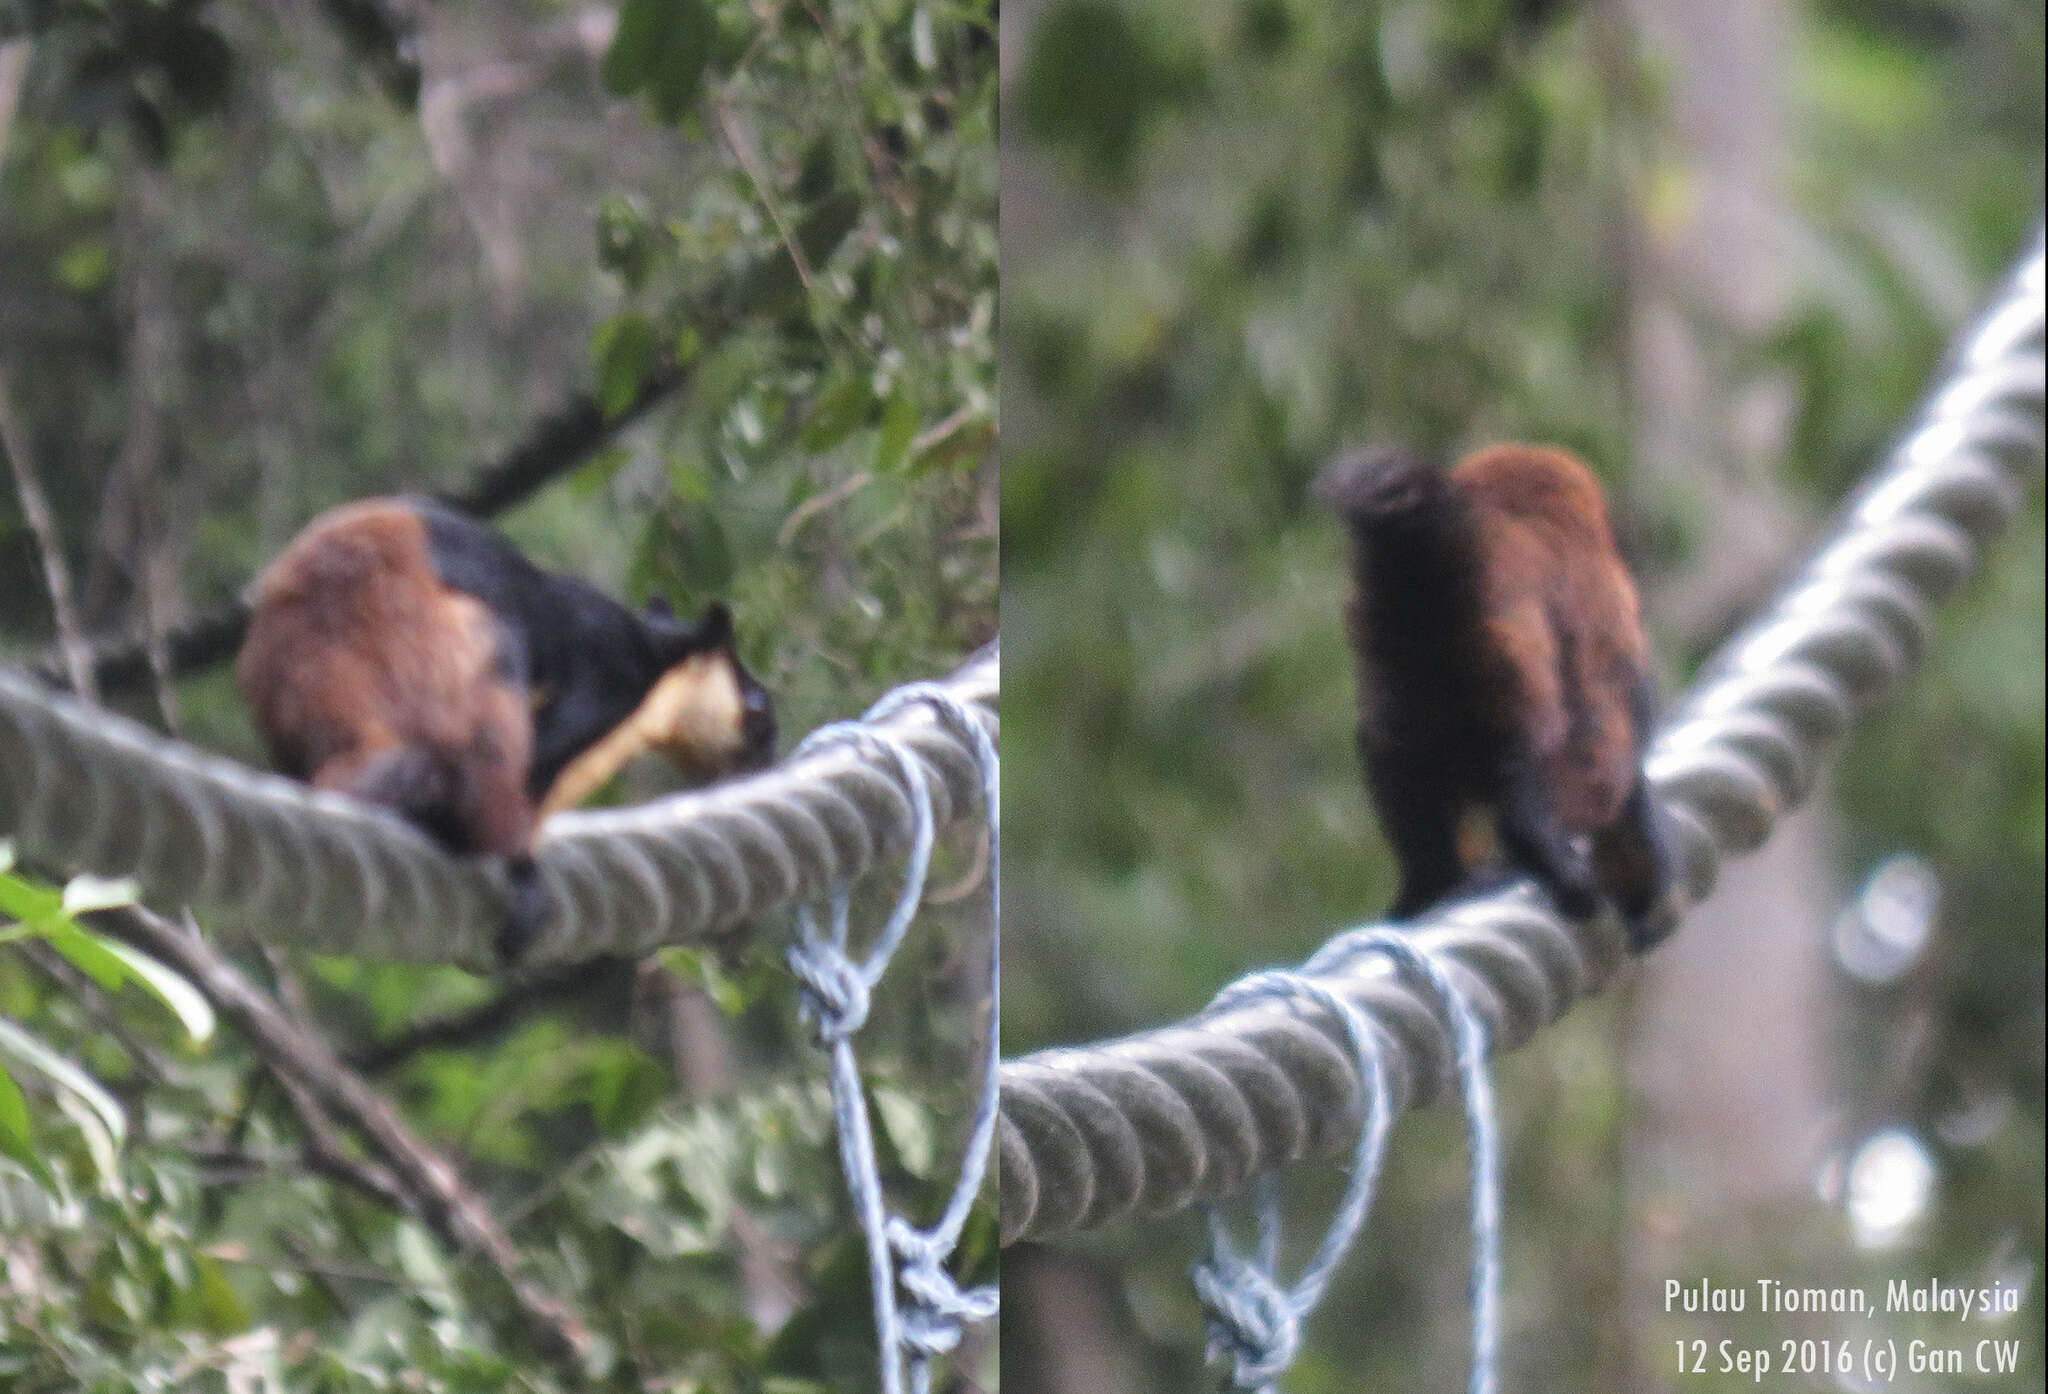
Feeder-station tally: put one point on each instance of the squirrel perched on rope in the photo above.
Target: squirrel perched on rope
(1504, 689)
(406, 654)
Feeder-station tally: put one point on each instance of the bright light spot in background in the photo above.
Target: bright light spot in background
(1890, 1180)
(1883, 932)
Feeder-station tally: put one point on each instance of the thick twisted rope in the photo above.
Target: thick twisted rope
(85, 790)
(1156, 1121)
(923, 1321)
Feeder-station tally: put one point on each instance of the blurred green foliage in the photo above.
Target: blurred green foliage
(308, 253)
(1243, 233)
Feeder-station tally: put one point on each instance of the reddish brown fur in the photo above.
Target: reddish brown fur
(1563, 620)
(358, 654)
(1504, 677)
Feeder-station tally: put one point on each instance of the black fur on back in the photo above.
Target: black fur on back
(588, 660)
(1415, 612)
(1431, 742)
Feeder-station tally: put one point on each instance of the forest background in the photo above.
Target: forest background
(1718, 249)
(697, 300)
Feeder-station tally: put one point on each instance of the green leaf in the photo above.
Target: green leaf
(692, 28)
(624, 349)
(86, 266)
(908, 1127)
(220, 1306)
(623, 244)
(594, 474)
(89, 953)
(1096, 77)
(899, 428)
(17, 1131)
(637, 45)
(839, 411)
(707, 564)
(72, 1082)
(965, 443)
(640, 1089)
(421, 1262)
(689, 481)
(170, 987)
(15, 1125)
(102, 1143)
(690, 547)
(824, 227)
(738, 29)
(700, 967)
(35, 906)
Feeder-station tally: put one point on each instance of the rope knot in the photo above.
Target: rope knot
(832, 993)
(937, 1307)
(1250, 1319)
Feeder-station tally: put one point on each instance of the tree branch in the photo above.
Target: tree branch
(496, 1016)
(736, 141)
(93, 999)
(420, 1178)
(887, 176)
(35, 509)
(327, 1152)
(13, 63)
(553, 445)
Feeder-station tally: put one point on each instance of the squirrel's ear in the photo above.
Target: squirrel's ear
(715, 631)
(1366, 481)
(657, 608)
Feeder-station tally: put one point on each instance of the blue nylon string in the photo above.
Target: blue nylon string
(1254, 1321)
(920, 1308)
